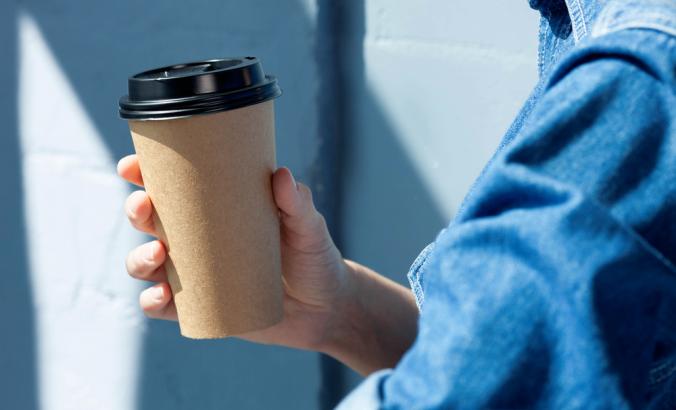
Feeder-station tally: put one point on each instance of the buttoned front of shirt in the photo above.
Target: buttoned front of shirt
(554, 286)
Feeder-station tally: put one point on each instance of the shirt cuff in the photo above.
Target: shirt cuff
(367, 395)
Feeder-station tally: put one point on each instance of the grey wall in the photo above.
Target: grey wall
(431, 86)
(79, 340)
(412, 95)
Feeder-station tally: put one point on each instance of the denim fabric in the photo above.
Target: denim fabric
(415, 276)
(555, 285)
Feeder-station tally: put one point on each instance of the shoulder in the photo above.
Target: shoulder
(618, 15)
(629, 37)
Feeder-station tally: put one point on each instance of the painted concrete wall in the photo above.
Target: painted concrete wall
(82, 342)
(432, 87)
(426, 90)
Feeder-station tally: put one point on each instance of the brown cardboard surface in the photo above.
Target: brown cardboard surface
(209, 178)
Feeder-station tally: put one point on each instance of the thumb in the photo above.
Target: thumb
(294, 200)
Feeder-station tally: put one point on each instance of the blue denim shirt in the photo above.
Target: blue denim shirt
(555, 285)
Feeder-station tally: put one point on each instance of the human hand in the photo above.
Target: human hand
(314, 274)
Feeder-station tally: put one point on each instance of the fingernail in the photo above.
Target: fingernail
(132, 203)
(157, 293)
(295, 185)
(152, 249)
(131, 213)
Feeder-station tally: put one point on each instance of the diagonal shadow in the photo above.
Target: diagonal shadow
(380, 213)
(98, 43)
(18, 373)
(389, 215)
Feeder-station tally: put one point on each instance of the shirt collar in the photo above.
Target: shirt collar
(579, 15)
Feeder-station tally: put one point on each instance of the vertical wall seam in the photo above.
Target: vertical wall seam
(326, 166)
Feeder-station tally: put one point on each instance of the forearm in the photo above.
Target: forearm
(374, 324)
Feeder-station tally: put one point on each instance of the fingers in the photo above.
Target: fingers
(146, 262)
(138, 207)
(157, 302)
(128, 168)
(139, 210)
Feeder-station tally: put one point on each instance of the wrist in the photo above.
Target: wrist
(342, 322)
(347, 330)
(374, 321)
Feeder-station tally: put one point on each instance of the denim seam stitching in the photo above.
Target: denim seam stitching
(418, 293)
(541, 33)
(578, 20)
(413, 276)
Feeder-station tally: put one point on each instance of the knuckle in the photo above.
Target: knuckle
(319, 225)
(136, 263)
(134, 200)
(321, 221)
(304, 190)
(143, 226)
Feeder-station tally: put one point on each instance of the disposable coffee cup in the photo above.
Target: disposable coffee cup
(205, 138)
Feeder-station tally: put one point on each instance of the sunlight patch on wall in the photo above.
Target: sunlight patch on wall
(88, 325)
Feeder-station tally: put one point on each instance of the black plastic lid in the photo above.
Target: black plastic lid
(196, 88)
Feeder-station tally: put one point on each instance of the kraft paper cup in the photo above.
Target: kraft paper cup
(207, 160)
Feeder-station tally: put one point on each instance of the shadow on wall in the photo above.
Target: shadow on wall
(386, 211)
(18, 376)
(385, 216)
(98, 45)
(388, 215)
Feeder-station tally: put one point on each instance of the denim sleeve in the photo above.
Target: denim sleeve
(556, 287)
